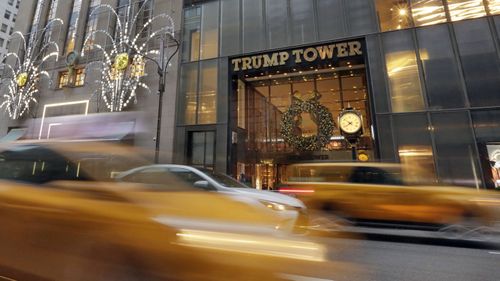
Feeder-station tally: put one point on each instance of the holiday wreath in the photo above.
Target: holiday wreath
(292, 119)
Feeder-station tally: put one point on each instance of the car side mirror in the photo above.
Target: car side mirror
(202, 185)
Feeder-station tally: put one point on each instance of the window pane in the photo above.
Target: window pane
(379, 87)
(494, 6)
(209, 149)
(302, 17)
(189, 86)
(253, 26)
(208, 92)
(440, 68)
(402, 70)
(385, 141)
(230, 27)
(466, 9)
(191, 38)
(393, 15)
(277, 23)
(427, 12)
(331, 23)
(479, 61)
(414, 143)
(455, 148)
(361, 17)
(198, 148)
(209, 30)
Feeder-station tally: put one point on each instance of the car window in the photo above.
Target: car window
(159, 179)
(222, 179)
(371, 175)
(188, 177)
(37, 164)
(312, 173)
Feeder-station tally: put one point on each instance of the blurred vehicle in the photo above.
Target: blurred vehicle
(380, 194)
(290, 209)
(64, 218)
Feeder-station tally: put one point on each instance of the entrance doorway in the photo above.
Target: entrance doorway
(262, 100)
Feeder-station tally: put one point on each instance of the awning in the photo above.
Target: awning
(13, 135)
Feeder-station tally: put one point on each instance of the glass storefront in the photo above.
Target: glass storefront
(429, 70)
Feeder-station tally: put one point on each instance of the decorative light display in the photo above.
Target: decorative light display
(292, 119)
(20, 83)
(123, 65)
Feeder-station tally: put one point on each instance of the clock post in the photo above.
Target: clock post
(351, 127)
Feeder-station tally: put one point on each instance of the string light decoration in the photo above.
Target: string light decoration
(20, 84)
(292, 119)
(123, 65)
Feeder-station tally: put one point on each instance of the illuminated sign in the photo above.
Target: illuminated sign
(320, 53)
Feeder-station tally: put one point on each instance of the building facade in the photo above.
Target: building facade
(73, 87)
(8, 13)
(264, 83)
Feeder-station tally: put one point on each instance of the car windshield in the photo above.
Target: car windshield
(223, 180)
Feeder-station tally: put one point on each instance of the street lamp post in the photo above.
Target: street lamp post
(162, 72)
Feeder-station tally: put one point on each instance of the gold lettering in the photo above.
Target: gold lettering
(342, 50)
(298, 53)
(355, 48)
(271, 61)
(284, 56)
(236, 63)
(247, 63)
(326, 51)
(310, 54)
(257, 62)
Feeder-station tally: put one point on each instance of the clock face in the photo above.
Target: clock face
(350, 123)
(121, 61)
(22, 79)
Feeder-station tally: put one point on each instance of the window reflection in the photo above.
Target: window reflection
(208, 92)
(427, 12)
(466, 9)
(393, 15)
(494, 6)
(189, 85)
(402, 71)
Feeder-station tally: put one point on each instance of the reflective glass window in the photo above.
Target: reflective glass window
(209, 30)
(414, 146)
(192, 34)
(479, 62)
(360, 15)
(385, 141)
(207, 101)
(188, 90)
(455, 148)
(379, 86)
(302, 17)
(253, 26)
(440, 69)
(73, 26)
(466, 9)
(402, 71)
(230, 27)
(393, 15)
(427, 12)
(331, 22)
(494, 6)
(277, 23)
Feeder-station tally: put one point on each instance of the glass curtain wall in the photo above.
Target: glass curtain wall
(401, 14)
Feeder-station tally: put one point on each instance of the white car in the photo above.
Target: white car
(292, 210)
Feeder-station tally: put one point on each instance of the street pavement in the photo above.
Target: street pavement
(401, 261)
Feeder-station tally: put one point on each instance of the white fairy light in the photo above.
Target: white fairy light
(20, 87)
(118, 85)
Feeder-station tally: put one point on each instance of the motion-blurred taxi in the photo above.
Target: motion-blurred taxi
(382, 194)
(64, 218)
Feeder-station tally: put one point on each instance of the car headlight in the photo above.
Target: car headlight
(276, 206)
